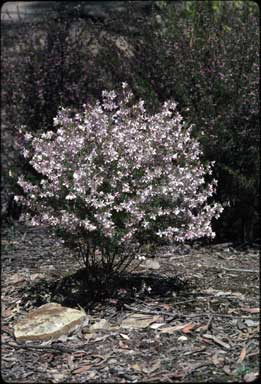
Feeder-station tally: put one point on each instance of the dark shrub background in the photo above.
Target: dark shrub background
(204, 54)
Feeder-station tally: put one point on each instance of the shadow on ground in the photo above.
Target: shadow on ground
(75, 289)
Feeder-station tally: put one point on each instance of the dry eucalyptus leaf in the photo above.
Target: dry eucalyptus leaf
(188, 327)
(126, 337)
(241, 325)
(175, 328)
(157, 325)
(136, 367)
(182, 338)
(250, 310)
(172, 329)
(17, 278)
(70, 362)
(101, 324)
(217, 341)
(227, 369)
(242, 354)
(217, 360)
(101, 338)
(249, 377)
(251, 323)
(81, 369)
(139, 320)
(36, 276)
(89, 336)
(123, 345)
(62, 338)
(79, 354)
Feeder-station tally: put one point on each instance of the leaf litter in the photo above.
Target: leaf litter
(190, 320)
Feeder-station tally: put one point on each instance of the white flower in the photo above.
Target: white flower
(146, 224)
(71, 196)
(26, 153)
(55, 121)
(49, 134)
(125, 188)
(28, 136)
(177, 211)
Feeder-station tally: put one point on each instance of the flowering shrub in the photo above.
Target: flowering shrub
(112, 175)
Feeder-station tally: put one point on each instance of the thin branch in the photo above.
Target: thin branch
(216, 314)
(178, 314)
(239, 270)
(209, 324)
(177, 257)
(58, 348)
(148, 312)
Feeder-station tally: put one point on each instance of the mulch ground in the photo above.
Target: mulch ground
(204, 301)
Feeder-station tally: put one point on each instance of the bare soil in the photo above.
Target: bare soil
(207, 297)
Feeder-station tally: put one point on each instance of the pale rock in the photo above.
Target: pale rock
(50, 321)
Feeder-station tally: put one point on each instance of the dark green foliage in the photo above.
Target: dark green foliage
(205, 55)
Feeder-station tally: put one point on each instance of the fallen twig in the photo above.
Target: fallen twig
(59, 348)
(103, 359)
(199, 350)
(199, 365)
(217, 341)
(178, 314)
(178, 257)
(253, 354)
(231, 269)
(209, 324)
(148, 312)
(215, 314)
(240, 270)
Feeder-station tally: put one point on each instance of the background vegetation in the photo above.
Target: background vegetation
(204, 54)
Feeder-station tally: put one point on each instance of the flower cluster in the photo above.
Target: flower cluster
(116, 173)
